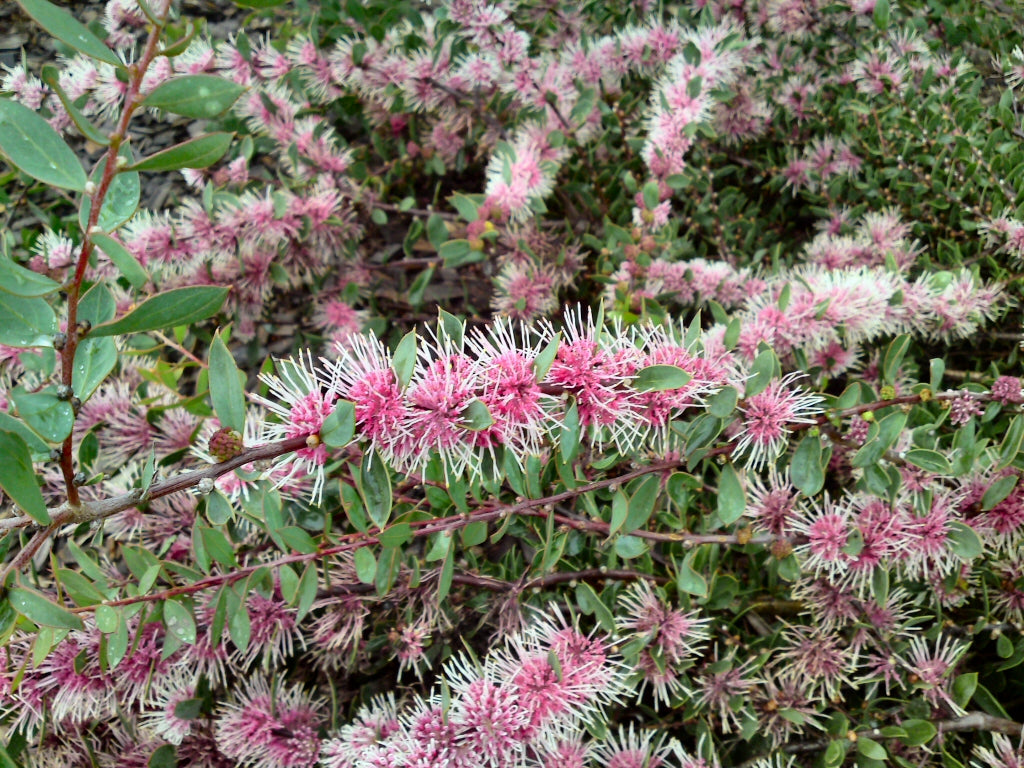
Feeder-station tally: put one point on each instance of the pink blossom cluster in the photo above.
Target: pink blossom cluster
(411, 409)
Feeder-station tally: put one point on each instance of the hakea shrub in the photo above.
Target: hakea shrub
(752, 499)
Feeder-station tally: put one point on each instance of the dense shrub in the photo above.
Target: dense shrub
(516, 384)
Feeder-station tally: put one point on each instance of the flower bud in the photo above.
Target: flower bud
(225, 443)
(90, 188)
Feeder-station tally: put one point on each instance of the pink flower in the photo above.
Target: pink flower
(270, 727)
(766, 419)
(303, 398)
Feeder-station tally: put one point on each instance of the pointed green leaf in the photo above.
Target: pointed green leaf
(932, 461)
(69, 30)
(966, 542)
(200, 152)
(476, 416)
(43, 611)
(179, 622)
(51, 76)
(404, 360)
(18, 477)
(807, 469)
(657, 378)
(34, 148)
(180, 306)
(226, 389)
(366, 565)
(732, 499)
(132, 270)
(197, 96)
(376, 486)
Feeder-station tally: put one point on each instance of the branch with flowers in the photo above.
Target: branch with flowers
(677, 478)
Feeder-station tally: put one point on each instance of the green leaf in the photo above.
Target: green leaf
(339, 427)
(107, 619)
(998, 491)
(658, 378)
(197, 96)
(180, 306)
(451, 327)
(376, 487)
(18, 477)
(569, 439)
(260, 4)
(366, 565)
(919, 732)
(19, 281)
(765, 368)
(1010, 446)
(689, 580)
(641, 503)
(94, 359)
(589, 602)
(42, 611)
(544, 359)
(226, 391)
(68, 30)
(179, 622)
(629, 547)
(121, 200)
(119, 256)
(466, 206)
(881, 14)
(732, 500)
(871, 749)
(404, 360)
(35, 149)
(894, 357)
(395, 535)
(620, 510)
(200, 152)
(722, 404)
(889, 430)
(966, 543)
(26, 321)
(932, 461)
(964, 687)
(476, 417)
(51, 76)
(807, 469)
(48, 417)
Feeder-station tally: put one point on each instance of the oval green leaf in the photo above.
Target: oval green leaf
(197, 96)
(34, 148)
(26, 321)
(658, 378)
(376, 487)
(48, 417)
(179, 306)
(339, 427)
(42, 611)
(120, 202)
(806, 470)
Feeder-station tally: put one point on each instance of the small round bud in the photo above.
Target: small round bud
(781, 549)
(224, 444)
(122, 162)
(868, 416)
(90, 188)
(205, 486)
(64, 392)
(925, 395)
(79, 479)
(95, 229)
(83, 327)
(888, 392)
(59, 340)
(313, 441)
(76, 404)
(55, 454)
